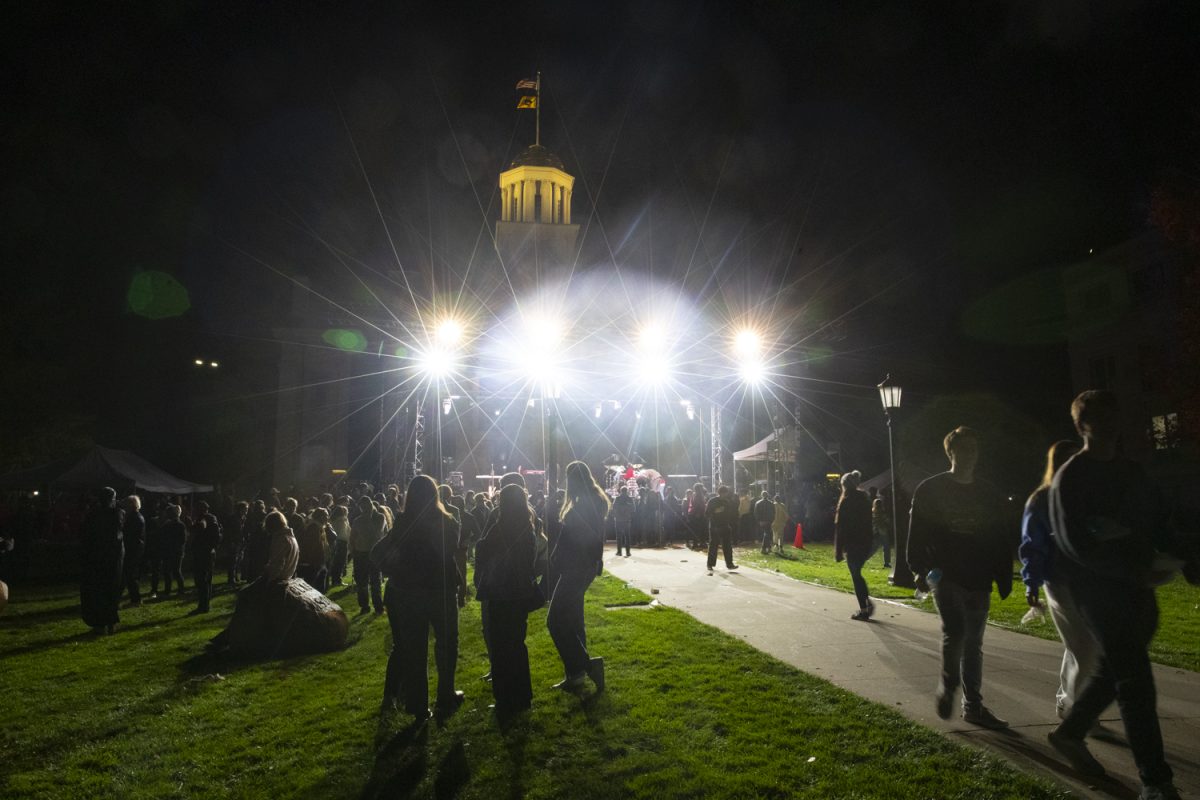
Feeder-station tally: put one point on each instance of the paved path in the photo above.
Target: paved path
(895, 660)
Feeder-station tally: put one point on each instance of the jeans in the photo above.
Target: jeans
(505, 628)
(622, 536)
(1123, 620)
(720, 535)
(964, 619)
(564, 620)
(202, 574)
(860, 585)
(366, 574)
(172, 567)
(1081, 651)
(765, 529)
(411, 615)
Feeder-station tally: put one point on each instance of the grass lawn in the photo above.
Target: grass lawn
(689, 712)
(1177, 643)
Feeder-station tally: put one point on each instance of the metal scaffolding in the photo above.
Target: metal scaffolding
(715, 439)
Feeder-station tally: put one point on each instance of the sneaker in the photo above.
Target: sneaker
(870, 610)
(984, 718)
(1076, 753)
(1159, 791)
(945, 702)
(572, 683)
(595, 671)
(446, 707)
(862, 615)
(731, 567)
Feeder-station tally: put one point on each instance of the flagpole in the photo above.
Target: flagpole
(537, 110)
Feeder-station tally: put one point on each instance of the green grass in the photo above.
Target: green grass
(690, 712)
(1177, 643)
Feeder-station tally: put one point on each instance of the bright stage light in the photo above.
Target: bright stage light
(748, 344)
(449, 331)
(437, 362)
(753, 372)
(653, 369)
(598, 410)
(447, 404)
(691, 411)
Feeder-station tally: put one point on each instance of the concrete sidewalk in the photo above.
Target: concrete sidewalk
(896, 659)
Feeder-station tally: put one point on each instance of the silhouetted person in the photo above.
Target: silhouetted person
(622, 518)
(426, 587)
(695, 519)
(507, 568)
(313, 541)
(340, 522)
(764, 515)
(133, 535)
(103, 554)
(957, 544)
(780, 523)
(172, 536)
(1108, 522)
(852, 539)
(205, 539)
(881, 523)
(368, 528)
(235, 540)
(722, 515)
(577, 559)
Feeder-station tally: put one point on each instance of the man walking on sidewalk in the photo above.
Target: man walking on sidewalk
(1109, 525)
(957, 544)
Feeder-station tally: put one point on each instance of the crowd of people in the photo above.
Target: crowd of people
(1093, 542)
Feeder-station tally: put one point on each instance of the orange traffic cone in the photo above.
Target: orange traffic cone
(799, 543)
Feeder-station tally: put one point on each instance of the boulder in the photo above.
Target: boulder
(285, 619)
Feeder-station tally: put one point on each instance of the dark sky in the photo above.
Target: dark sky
(889, 166)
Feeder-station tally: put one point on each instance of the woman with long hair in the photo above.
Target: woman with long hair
(508, 560)
(1038, 552)
(426, 587)
(577, 560)
(853, 539)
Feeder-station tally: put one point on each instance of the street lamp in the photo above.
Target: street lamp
(889, 396)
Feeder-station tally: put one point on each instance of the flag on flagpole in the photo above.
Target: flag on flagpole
(528, 83)
(528, 101)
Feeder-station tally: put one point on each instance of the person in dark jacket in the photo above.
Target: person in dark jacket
(257, 542)
(133, 534)
(577, 559)
(853, 539)
(764, 515)
(313, 542)
(507, 568)
(103, 554)
(694, 509)
(622, 518)
(234, 537)
(1110, 527)
(203, 544)
(958, 545)
(426, 587)
(722, 515)
(172, 536)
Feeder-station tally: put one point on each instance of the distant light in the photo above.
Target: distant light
(199, 362)
(691, 411)
(447, 404)
(437, 362)
(638, 414)
(337, 472)
(1090, 251)
(748, 343)
(213, 364)
(598, 410)
(36, 492)
(653, 369)
(496, 412)
(531, 402)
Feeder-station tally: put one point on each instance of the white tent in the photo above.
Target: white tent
(779, 446)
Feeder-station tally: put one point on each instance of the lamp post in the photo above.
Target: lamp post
(889, 396)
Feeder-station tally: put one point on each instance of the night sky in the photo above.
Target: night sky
(886, 169)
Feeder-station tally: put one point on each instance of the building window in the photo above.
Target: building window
(1102, 372)
(1164, 431)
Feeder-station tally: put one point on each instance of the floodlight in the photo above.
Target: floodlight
(753, 372)
(653, 369)
(748, 343)
(449, 331)
(447, 404)
(437, 362)
(213, 364)
(199, 362)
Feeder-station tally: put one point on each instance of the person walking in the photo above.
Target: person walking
(622, 518)
(509, 559)
(577, 559)
(722, 515)
(133, 535)
(881, 524)
(426, 570)
(957, 545)
(1081, 651)
(852, 539)
(1110, 525)
(764, 515)
(368, 528)
(103, 553)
